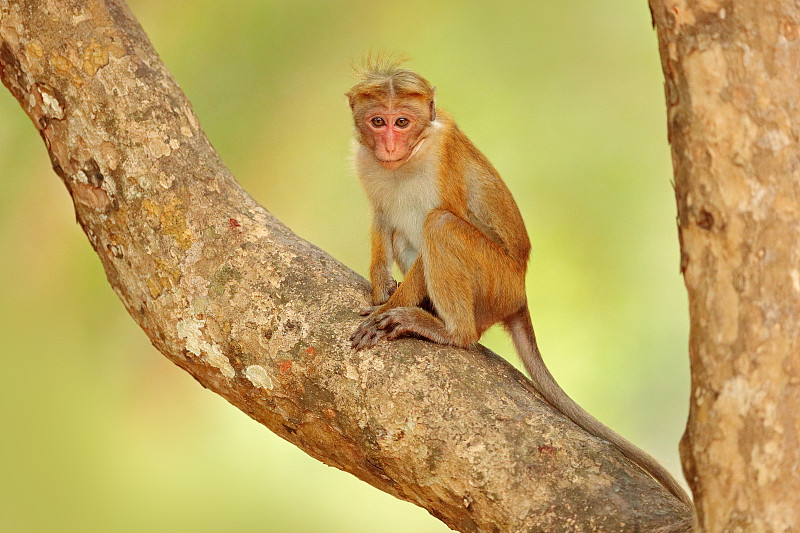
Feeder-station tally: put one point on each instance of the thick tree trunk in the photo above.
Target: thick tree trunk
(263, 318)
(732, 89)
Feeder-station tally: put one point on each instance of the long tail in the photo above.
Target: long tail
(521, 329)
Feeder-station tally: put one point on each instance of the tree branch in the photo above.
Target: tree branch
(263, 318)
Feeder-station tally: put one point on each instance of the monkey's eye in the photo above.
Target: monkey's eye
(378, 122)
(402, 122)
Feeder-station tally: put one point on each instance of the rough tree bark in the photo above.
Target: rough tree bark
(732, 88)
(263, 318)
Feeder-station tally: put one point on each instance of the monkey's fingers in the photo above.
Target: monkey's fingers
(369, 333)
(391, 288)
(386, 321)
(394, 324)
(364, 337)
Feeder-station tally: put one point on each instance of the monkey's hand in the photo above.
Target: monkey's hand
(381, 291)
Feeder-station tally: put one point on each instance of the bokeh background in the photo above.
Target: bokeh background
(100, 433)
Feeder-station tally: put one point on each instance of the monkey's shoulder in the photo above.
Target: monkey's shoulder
(487, 200)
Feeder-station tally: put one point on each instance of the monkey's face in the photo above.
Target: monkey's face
(393, 133)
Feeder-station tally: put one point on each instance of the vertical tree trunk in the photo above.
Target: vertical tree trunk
(732, 90)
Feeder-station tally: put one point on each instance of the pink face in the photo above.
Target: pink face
(395, 133)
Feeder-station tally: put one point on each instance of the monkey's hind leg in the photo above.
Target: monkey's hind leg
(400, 322)
(452, 302)
(470, 280)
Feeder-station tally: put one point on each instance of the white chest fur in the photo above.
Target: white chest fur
(401, 200)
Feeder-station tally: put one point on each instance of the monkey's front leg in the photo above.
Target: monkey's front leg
(409, 294)
(380, 275)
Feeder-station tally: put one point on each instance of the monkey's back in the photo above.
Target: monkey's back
(482, 198)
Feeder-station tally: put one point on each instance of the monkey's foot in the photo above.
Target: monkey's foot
(393, 323)
(368, 334)
(386, 325)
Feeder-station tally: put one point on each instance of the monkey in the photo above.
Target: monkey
(441, 212)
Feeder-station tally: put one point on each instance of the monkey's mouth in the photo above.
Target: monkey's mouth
(392, 165)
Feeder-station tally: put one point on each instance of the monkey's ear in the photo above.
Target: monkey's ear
(432, 105)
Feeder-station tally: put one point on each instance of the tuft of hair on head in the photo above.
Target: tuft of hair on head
(381, 74)
(378, 64)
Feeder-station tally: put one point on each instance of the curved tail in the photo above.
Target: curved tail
(521, 329)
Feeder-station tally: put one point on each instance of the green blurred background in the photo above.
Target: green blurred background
(99, 432)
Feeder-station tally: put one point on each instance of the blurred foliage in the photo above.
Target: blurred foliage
(101, 433)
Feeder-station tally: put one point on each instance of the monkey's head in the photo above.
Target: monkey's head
(392, 110)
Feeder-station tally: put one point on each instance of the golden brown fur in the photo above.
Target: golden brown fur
(441, 211)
